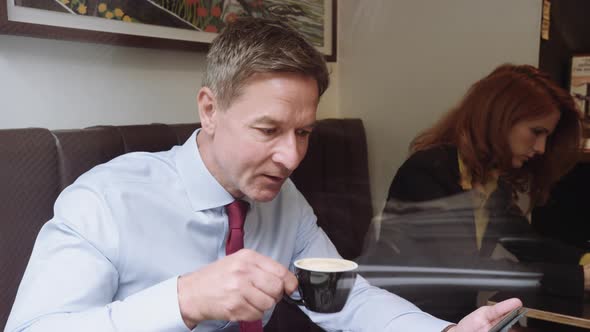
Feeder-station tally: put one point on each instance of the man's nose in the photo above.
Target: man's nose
(289, 152)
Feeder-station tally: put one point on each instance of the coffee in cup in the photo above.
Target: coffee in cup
(324, 283)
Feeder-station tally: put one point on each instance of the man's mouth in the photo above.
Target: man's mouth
(275, 179)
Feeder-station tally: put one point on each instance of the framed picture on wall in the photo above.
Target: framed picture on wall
(173, 24)
(580, 83)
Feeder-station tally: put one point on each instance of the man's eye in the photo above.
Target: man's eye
(303, 133)
(267, 131)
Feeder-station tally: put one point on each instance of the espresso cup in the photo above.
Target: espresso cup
(324, 283)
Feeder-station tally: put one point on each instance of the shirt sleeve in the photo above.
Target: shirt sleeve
(368, 308)
(72, 277)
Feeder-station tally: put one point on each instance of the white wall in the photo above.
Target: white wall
(402, 63)
(61, 84)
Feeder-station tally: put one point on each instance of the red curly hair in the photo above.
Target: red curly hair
(480, 124)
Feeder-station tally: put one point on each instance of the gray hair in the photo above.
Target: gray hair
(252, 46)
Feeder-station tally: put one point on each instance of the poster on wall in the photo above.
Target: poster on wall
(580, 83)
(187, 24)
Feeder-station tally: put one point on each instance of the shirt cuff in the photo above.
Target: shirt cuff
(153, 309)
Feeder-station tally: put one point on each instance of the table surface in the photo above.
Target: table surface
(563, 310)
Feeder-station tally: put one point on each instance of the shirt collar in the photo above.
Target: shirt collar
(203, 190)
(466, 181)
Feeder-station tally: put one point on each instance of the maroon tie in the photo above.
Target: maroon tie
(236, 214)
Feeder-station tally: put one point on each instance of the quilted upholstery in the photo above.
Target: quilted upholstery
(150, 138)
(334, 178)
(29, 181)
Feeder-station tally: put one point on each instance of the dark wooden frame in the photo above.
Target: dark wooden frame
(53, 32)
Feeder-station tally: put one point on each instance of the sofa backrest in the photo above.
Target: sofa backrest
(334, 178)
(36, 164)
(29, 184)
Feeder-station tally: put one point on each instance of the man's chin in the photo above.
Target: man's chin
(265, 195)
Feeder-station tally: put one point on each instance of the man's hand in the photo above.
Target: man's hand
(482, 319)
(239, 287)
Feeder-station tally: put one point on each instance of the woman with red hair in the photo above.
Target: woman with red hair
(514, 134)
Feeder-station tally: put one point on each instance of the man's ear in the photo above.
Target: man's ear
(207, 109)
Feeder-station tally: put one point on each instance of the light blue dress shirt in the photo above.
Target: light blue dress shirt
(124, 231)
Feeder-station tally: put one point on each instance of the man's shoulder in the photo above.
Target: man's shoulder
(288, 192)
(291, 197)
(133, 167)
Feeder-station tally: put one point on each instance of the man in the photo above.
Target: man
(139, 243)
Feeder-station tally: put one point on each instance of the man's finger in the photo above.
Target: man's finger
(259, 300)
(247, 312)
(271, 266)
(499, 310)
(290, 282)
(268, 283)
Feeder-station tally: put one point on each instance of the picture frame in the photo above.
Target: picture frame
(579, 87)
(579, 83)
(26, 18)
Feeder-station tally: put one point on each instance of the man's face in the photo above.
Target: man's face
(258, 141)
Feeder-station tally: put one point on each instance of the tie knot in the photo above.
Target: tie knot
(236, 213)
